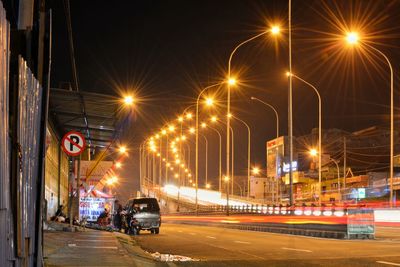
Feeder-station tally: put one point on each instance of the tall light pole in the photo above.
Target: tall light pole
(319, 132)
(290, 106)
(206, 140)
(227, 179)
(274, 109)
(231, 81)
(353, 38)
(248, 153)
(220, 158)
(197, 141)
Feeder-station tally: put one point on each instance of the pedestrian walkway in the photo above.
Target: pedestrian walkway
(92, 248)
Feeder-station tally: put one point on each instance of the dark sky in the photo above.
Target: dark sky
(165, 51)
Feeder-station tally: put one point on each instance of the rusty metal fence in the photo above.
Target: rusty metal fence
(6, 242)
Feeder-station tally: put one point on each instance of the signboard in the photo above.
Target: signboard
(360, 221)
(90, 208)
(286, 167)
(73, 143)
(361, 192)
(275, 153)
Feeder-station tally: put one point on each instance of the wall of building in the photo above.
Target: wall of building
(56, 180)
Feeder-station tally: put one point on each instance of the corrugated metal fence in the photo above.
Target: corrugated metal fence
(6, 241)
(28, 140)
(18, 211)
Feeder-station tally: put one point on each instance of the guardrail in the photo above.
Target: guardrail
(267, 210)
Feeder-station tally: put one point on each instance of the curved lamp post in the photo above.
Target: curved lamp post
(319, 132)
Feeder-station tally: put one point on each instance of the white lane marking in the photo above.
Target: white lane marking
(211, 237)
(389, 263)
(179, 231)
(242, 242)
(295, 249)
(95, 240)
(75, 246)
(192, 233)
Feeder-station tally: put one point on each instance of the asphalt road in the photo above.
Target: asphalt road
(227, 247)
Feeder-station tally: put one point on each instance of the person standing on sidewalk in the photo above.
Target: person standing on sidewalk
(117, 215)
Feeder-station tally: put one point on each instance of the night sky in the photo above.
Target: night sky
(166, 51)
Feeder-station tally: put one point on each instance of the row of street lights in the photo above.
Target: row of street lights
(352, 38)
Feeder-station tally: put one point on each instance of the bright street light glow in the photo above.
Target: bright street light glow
(226, 178)
(352, 37)
(122, 149)
(231, 81)
(203, 125)
(192, 130)
(209, 101)
(128, 100)
(171, 128)
(189, 116)
(275, 30)
(180, 118)
(208, 186)
(118, 164)
(256, 170)
(313, 152)
(214, 118)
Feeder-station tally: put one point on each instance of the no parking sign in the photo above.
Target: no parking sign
(73, 143)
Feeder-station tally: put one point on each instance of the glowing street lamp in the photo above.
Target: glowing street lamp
(352, 38)
(209, 101)
(231, 82)
(275, 30)
(313, 152)
(128, 100)
(256, 171)
(122, 149)
(118, 164)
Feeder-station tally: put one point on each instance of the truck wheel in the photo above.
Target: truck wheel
(156, 231)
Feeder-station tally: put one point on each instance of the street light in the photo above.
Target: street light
(122, 149)
(248, 153)
(118, 164)
(275, 111)
(256, 171)
(197, 139)
(319, 131)
(352, 38)
(232, 81)
(128, 100)
(220, 155)
(214, 119)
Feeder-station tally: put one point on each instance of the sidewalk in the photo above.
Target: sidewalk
(93, 248)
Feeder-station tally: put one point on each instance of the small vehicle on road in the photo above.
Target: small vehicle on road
(143, 214)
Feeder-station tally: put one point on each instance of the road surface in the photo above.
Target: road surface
(227, 247)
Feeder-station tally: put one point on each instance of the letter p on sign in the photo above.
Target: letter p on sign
(73, 143)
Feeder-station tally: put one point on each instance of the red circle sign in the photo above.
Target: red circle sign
(73, 143)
